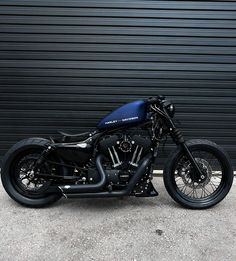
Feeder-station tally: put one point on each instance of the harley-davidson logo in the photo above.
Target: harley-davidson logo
(130, 119)
(111, 122)
(122, 120)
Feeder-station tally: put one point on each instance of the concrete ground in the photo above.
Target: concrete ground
(118, 229)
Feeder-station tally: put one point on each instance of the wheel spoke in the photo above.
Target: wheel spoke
(195, 188)
(203, 194)
(213, 185)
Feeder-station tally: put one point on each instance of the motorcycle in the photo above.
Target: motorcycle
(116, 160)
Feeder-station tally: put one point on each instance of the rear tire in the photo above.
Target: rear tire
(8, 176)
(178, 168)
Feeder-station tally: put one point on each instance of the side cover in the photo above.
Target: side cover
(134, 112)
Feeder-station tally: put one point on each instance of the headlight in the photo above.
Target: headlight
(170, 108)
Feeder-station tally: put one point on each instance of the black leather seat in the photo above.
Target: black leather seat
(69, 136)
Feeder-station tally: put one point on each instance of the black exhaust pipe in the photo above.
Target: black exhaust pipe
(126, 192)
(88, 188)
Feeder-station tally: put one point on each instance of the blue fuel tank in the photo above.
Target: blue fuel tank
(133, 112)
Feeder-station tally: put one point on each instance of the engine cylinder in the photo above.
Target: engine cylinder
(124, 152)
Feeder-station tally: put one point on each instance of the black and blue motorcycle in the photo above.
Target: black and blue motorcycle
(116, 160)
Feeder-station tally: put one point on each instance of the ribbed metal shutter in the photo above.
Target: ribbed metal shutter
(64, 64)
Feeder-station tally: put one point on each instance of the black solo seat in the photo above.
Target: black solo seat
(67, 137)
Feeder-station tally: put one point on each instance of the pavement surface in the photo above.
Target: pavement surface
(118, 229)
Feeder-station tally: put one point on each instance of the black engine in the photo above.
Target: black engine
(124, 152)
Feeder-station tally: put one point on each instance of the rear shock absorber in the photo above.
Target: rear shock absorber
(42, 158)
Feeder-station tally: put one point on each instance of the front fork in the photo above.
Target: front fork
(179, 140)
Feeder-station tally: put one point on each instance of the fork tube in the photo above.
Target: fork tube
(179, 140)
(192, 160)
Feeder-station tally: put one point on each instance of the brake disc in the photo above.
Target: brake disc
(187, 174)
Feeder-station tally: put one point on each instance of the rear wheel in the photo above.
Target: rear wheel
(18, 178)
(186, 187)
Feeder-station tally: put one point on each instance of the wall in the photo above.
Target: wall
(64, 64)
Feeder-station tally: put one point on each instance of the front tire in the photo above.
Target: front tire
(199, 193)
(15, 163)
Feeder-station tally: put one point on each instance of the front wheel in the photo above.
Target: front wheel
(186, 187)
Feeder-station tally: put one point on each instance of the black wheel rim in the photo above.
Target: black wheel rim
(20, 171)
(204, 189)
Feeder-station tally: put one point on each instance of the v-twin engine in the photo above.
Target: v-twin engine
(124, 152)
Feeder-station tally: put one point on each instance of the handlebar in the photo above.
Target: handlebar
(155, 100)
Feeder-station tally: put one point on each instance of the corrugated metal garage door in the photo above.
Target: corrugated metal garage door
(66, 63)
